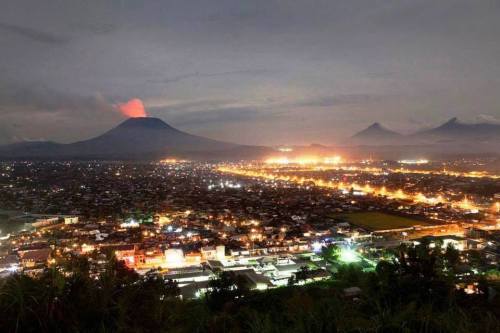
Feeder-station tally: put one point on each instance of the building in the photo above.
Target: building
(35, 258)
(213, 252)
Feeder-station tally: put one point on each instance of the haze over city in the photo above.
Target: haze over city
(256, 72)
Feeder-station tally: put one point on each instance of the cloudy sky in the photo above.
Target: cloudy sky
(259, 71)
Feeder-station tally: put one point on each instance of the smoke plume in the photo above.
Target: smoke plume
(132, 109)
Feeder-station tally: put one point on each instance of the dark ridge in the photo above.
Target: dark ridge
(144, 122)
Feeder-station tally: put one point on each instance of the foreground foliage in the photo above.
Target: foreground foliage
(415, 293)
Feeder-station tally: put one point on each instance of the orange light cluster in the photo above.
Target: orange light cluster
(471, 174)
(304, 160)
(172, 161)
(399, 194)
(378, 171)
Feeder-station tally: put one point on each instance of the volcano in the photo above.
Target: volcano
(456, 131)
(452, 136)
(376, 134)
(135, 138)
(147, 136)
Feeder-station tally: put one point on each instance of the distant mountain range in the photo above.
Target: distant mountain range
(135, 138)
(452, 134)
(455, 130)
(151, 138)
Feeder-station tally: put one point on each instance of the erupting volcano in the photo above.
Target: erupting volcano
(139, 137)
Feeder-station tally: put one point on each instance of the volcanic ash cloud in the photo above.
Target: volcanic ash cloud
(134, 108)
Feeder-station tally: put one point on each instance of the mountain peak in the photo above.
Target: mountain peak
(135, 138)
(451, 124)
(452, 121)
(376, 134)
(375, 125)
(144, 122)
(376, 128)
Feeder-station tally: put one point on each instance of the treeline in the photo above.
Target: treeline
(415, 292)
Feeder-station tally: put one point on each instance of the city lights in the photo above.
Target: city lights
(173, 161)
(304, 160)
(348, 255)
(414, 162)
(250, 166)
(346, 187)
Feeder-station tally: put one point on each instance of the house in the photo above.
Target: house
(34, 258)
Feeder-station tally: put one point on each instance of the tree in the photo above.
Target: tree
(302, 274)
(75, 264)
(452, 257)
(226, 287)
(395, 297)
(17, 303)
(330, 253)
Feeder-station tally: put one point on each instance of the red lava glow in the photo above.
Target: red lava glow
(132, 109)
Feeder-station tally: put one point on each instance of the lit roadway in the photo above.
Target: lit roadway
(272, 170)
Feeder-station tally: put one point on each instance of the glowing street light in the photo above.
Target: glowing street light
(348, 255)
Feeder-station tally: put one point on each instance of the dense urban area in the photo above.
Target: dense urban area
(283, 244)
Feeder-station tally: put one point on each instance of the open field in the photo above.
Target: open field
(7, 225)
(379, 221)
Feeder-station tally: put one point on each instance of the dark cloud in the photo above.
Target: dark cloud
(29, 111)
(488, 118)
(95, 28)
(190, 106)
(248, 69)
(229, 115)
(338, 100)
(36, 97)
(198, 75)
(33, 34)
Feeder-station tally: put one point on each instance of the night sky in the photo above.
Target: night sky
(255, 72)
